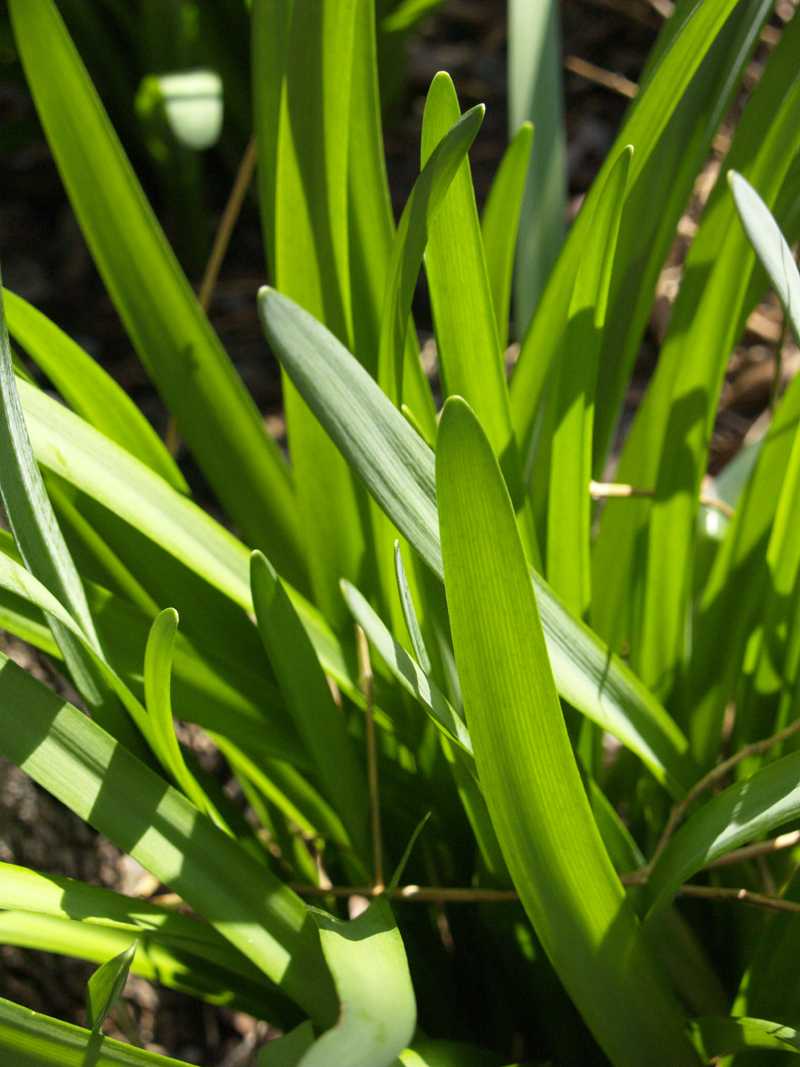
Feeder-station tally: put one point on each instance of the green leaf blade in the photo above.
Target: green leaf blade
(397, 469)
(410, 242)
(739, 814)
(319, 722)
(770, 246)
(88, 389)
(466, 333)
(96, 777)
(105, 987)
(717, 1037)
(499, 224)
(569, 505)
(368, 962)
(537, 803)
(161, 314)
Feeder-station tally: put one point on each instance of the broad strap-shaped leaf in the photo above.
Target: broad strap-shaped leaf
(409, 612)
(769, 986)
(718, 1036)
(288, 1050)
(175, 968)
(310, 257)
(105, 987)
(397, 468)
(405, 14)
(536, 95)
(341, 394)
(468, 350)
(173, 337)
(206, 690)
(499, 223)
(158, 658)
(81, 765)
(731, 604)
(739, 814)
(88, 389)
(41, 545)
(670, 125)
(770, 246)
(56, 897)
(86, 539)
(639, 597)
(378, 1010)
(407, 671)
(87, 459)
(571, 412)
(527, 769)
(432, 1052)
(30, 1039)
(410, 241)
(454, 735)
(305, 688)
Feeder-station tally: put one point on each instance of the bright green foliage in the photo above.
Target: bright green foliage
(525, 762)
(105, 987)
(574, 384)
(493, 744)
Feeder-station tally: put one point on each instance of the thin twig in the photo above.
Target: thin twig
(776, 381)
(760, 848)
(230, 215)
(744, 896)
(432, 894)
(757, 748)
(365, 684)
(619, 490)
(227, 223)
(607, 78)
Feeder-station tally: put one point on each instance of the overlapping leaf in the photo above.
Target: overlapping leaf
(526, 765)
(397, 468)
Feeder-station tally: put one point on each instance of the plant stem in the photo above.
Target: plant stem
(241, 184)
(758, 900)
(227, 223)
(420, 894)
(365, 683)
(620, 491)
(757, 748)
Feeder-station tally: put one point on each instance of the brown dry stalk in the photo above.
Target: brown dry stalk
(365, 684)
(744, 896)
(241, 184)
(230, 215)
(757, 748)
(607, 78)
(760, 848)
(421, 894)
(620, 491)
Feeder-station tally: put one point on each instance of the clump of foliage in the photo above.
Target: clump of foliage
(485, 677)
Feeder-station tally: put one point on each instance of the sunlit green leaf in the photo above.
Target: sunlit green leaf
(538, 806)
(739, 814)
(378, 1010)
(398, 470)
(716, 1036)
(770, 246)
(499, 224)
(105, 987)
(88, 389)
(104, 784)
(161, 314)
(30, 1039)
(319, 722)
